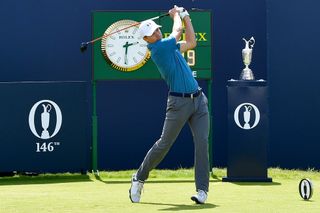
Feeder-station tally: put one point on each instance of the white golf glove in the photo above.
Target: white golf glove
(183, 13)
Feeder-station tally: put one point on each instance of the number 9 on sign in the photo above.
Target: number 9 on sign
(191, 57)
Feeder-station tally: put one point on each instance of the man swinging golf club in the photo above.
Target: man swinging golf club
(186, 102)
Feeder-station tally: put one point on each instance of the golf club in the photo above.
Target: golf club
(84, 45)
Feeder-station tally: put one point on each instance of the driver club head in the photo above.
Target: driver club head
(83, 46)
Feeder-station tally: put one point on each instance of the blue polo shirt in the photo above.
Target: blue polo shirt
(173, 68)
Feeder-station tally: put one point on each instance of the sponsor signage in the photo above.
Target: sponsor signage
(124, 55)
(44, 127)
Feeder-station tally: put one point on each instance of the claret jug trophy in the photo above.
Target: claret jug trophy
(247, 73)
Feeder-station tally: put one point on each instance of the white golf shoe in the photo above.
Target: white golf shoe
(200, 197)
(135, 189)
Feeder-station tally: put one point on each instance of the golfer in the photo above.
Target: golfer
(186, 102)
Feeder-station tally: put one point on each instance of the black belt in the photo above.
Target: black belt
(186, 95)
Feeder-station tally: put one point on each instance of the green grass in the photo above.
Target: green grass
(165, 191)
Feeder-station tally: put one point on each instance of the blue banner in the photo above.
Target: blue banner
(44, 127)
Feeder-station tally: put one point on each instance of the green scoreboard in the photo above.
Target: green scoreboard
(124, 55)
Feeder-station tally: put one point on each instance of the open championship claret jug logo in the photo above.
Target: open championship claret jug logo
(43, 116)
(246, 116)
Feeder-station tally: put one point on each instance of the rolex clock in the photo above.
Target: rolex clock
(125, 50)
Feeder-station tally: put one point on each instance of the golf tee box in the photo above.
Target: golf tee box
(247, 131)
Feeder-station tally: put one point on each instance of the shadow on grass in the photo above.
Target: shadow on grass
(256, 183)
(181, 207)
(308, 201)
(148, 181)
(106, 181)
(44, 179)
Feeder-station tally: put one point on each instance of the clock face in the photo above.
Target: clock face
(124, 50)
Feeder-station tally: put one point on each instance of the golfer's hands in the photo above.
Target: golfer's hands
(174, 11)
(183, 13)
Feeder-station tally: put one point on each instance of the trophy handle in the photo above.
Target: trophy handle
(46, 108)
(252, 41)
(248, 108)
(49, 107)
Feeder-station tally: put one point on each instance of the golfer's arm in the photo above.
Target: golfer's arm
(190, 41)
(177, 27)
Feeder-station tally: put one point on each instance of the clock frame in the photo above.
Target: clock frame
(125, 50)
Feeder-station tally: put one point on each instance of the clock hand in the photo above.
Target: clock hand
(134, 43)
(126, 45)
(126, 52)
(126, 59)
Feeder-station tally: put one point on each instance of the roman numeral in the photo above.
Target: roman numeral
(135, 60)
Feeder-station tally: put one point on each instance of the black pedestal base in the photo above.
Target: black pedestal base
(237, 179)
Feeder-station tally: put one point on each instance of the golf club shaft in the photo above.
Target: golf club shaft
(106, 35)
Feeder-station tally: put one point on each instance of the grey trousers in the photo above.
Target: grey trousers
(179, 111)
